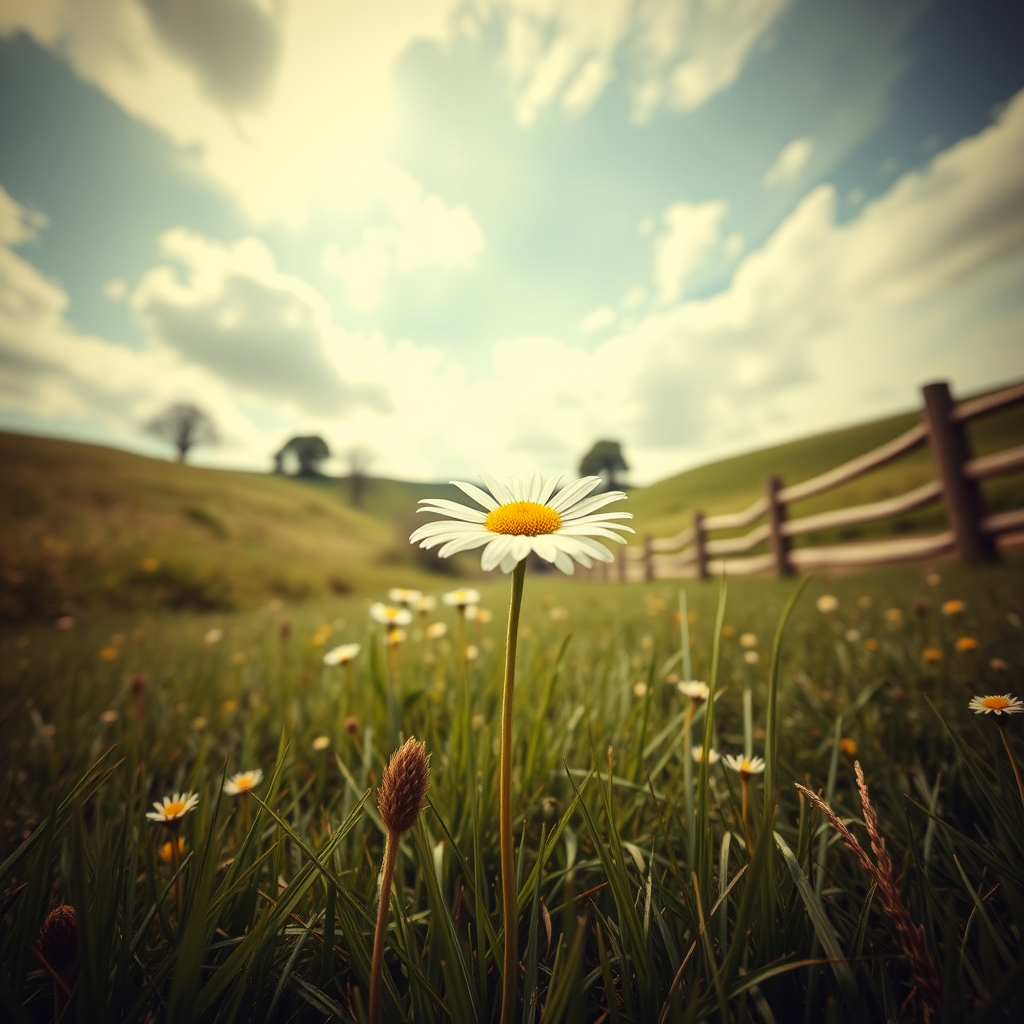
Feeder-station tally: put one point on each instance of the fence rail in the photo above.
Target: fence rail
(972, 533)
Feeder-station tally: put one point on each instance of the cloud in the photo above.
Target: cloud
(597, 319)
(789, 163)
(690, 234)
(676, 55)
(423, 233)
(259, 330)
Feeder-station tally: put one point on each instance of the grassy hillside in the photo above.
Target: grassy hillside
(731, 485)
(82, 526)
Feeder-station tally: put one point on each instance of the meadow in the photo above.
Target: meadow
(643, 894)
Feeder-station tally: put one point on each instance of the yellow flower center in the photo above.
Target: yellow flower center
(174, 808)
(523, 519)
(244, 783)
(995, 703)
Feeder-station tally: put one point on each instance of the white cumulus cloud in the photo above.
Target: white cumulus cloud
(690, 233)
(789, 163)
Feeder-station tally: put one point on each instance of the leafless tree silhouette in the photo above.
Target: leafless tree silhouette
(185, 425)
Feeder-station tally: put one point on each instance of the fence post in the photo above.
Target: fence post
(648, 557)
(622, 563)
(965, 508)
(776, 517)
(700, 551)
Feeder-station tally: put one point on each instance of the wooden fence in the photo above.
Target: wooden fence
(971, 534)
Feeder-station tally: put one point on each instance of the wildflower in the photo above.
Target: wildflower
(871, 644)
(321, 743)
(173, 808)
(852, 636)
(472, 652)
(342, 654)
(390, 616)
(698, 755)
(109, 717)
(933, 579)
(213, 636)
(167, 852)
(199, 723)
(109, 654)
(966, 643)
(828, 603)
(242, 782)
(695, 690)
(520, 518)
(745, 766)
(58, 948)
(228, 706)
(477, 722)
(639, 689)
(461, 598)
(999, 665)
(558, 614)
(751, 657)
(932, 655)
(395, 637)
(728, 631)
(848, 745)
(403, 788)
(997, 704)
(426, 604)
(437, 630)
(894, 617)
(403, 596)
(748, 640)
(319, 638)
(954, 607)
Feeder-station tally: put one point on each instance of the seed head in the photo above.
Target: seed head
(137, 683)
(58, 939)
(404, 786)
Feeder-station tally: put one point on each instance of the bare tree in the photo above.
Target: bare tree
(359, 460)
(185, 425)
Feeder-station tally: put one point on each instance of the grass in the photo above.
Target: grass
(630, 909)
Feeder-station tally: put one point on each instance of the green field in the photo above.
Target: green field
(638, 899)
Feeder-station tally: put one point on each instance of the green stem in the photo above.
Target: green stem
(745, 804)
(508, 878)
(380, 934)
(1013, 760)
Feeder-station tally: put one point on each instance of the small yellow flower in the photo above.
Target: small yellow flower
(109, 717)
(173, 808)
(199, 723)
(828, 603)
(996, 704)
(229, 705)
(748, 640)
(955, 607)
(426, 604)
(639, 689)
(484, 615)
(150, 565)
(558, 614)
(871, 644)
(238, 657)
(894, 617)
(213, 636)
(242, 782)
(932, 655)
(852, 636)
(728, 631)
(109, 654)
(389, 615)
(751, 657)
(395, 637)
(966, 643)
(933, 579)
(436, 630)
(848, 745)
(166, 851)
(321, 743)
(472, 652)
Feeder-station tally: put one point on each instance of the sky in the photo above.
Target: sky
(479, 235)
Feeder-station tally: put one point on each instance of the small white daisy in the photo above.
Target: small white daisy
(698, 754)
(242, 782)
(464, 597)
(389, 616)
(426, 604)
(521, 518)
(171, 808)
(997, 704)
(745, 766)
(404, 596)
(694, 690)
(342, 654)
(436, 630)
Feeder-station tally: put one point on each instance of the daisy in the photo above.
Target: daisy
(173, 808)
(389, 616)
(694, 690)
(342, 654)
(828, 603)
(745, 766)
(404, 596)
(395, 637)
(426, 604)
(528, 517)
(998, 704)
(436, 630)
(748, 640)
(698, 755)
(242, 782)
(462, 598)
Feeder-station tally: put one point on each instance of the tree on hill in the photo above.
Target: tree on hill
(305, 453)
(185, 425)
(604, 459)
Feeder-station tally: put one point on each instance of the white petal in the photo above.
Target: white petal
(546, 547)
(549, 488)
(592, 504)
(594, 531)
(518, 490)
(453, 547)
(444, 528)
(564, 562)
(593, 548)
(496, 488)
(476, 494)
(508, 563)
(453, 509)
(572, 547)
(521, 547)
(536, 484)
(447, 538)
(495, 552)
(571, 493)
(597, 517)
